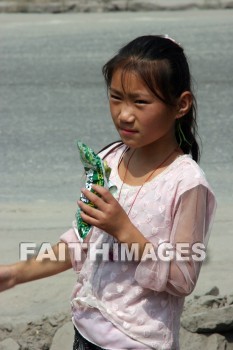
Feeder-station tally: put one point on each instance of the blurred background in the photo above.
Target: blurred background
(52, 93)
(59, 6)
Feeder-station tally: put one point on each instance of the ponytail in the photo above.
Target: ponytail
(186, 133)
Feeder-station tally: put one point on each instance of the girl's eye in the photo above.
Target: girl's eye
(141, 102)
(115, 97)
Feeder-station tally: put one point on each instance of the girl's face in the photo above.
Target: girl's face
(140, 117)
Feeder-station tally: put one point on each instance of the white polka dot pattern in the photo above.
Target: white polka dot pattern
(135, 296)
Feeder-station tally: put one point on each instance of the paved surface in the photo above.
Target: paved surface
(52, 94)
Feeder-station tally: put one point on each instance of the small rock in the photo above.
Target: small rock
(215, 305)
(9, 344)
(198, 341)
(213, 291)
(229, 338)
(209, 321)
(209, 300)
(37, 323)
(64, 337)
(53, 322)
(230, 299)
(7, 327)
(61, 317)
(216, 342)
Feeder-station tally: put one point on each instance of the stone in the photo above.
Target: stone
(216, 341)
(61, 317)
(53, 322)
(230, 299)
(9, 344)
(209, 321)
(229, 338)
(187, 338)
(209, 300)
(200, 341)
(7, 327)
(64, 337)
(213, 291)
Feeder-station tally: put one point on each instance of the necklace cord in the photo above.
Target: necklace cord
(147, 178)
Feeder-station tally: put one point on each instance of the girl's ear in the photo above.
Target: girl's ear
(184, 104)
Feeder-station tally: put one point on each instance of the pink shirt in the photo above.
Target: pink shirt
(143, 300)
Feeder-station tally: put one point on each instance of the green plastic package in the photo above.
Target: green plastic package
(97, 173)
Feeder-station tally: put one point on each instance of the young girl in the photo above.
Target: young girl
(134, 301)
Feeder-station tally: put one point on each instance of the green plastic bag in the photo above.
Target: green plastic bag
(97, 173)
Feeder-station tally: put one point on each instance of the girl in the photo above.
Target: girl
(158, 223)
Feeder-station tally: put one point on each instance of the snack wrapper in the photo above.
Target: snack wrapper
(97, 173)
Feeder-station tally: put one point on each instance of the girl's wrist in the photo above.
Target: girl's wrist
(7, 277)
(13, 273)
(19, 272)
(131, 235)
(125, 233)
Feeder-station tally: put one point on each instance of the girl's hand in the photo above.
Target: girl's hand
(108, 215)
(7, 280)
(33, 269)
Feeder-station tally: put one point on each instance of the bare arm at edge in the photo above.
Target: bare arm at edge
(33, 269)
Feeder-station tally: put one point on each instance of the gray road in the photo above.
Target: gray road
(52, 93)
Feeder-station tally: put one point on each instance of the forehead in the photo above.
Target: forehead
(128, 81)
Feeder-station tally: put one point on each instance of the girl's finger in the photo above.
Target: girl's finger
(88, 210)
(96, 200)
(88, 219)
(104, 193)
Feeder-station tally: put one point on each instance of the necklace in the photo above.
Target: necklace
(147, 178)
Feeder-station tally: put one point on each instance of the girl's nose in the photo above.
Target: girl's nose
(126, 113)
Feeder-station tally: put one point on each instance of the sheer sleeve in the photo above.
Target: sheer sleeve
(192, 218)
(77, 247)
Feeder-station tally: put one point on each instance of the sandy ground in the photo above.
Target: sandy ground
(35, 222)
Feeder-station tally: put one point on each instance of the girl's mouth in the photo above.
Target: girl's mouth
(127, 131)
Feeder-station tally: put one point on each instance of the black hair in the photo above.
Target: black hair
(162, 65)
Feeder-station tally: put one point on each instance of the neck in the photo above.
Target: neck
(152, 154)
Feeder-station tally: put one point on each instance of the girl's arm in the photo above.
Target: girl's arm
(33, 269)
(193, 217)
